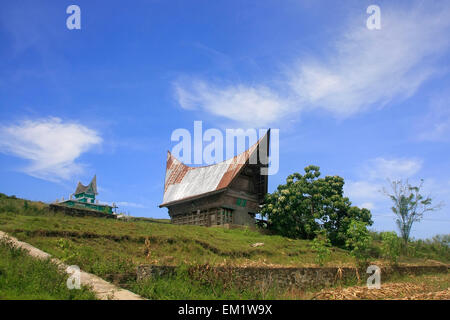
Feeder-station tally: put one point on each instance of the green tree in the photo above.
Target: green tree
(321, 245)
(298, 208)
(409, 205)
(359, 241)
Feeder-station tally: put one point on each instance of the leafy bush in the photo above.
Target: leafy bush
(321, 244)
(375, 251)
(391, 246)
(359, 241)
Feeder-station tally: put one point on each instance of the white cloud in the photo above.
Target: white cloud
(130, 204)
(394, 168)
(364, 194)
(248, 105)
(51, 146)
(368, 205)
(363, 69)
(362, 190)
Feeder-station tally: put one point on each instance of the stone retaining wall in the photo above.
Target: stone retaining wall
(284, 277)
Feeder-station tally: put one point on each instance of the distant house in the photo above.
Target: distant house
(226, 193)
(84, 198)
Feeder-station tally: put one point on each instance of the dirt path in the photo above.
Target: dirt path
(102, 289)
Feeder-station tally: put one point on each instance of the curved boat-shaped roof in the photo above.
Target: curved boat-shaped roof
(183, 182)
(91, 188)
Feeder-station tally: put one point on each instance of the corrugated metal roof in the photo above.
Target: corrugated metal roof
(183, 182)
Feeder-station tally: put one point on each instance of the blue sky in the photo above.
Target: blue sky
(363, 104)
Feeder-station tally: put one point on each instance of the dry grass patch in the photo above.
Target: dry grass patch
(426, 287)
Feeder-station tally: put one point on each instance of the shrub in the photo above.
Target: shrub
(321, 244)
(375, 251)
(437, 248)
(390, 246)
(359, 241)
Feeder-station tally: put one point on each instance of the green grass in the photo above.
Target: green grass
(25, 278)
(109, 247)
(99, 245)
(104, 246)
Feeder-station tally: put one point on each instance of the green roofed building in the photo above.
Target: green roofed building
(84, 198)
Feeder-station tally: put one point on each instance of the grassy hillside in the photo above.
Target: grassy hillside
(106, 246)
(109, 247)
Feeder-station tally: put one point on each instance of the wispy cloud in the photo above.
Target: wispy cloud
(248, 105)
(130, 204)
(392, 168)
(51, 146)
(364, 69)
(362, 190)
(373, 67)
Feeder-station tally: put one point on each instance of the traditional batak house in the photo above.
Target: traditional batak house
(226, 193)
(84, 198)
